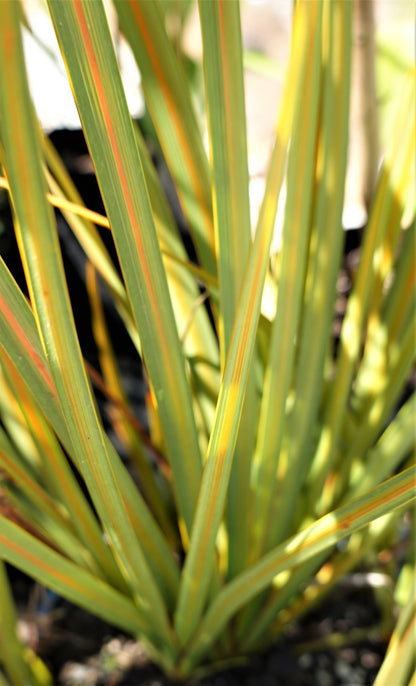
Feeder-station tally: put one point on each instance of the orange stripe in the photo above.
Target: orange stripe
(25, 342)
(269, 570)
(170, 103)
(101, 93)
(39, 563)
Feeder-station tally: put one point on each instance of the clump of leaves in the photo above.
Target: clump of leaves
(267, 449)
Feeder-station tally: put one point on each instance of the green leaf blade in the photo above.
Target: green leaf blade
(319, 536)
(85, 42)
(44, 270)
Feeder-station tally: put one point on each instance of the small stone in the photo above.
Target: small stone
(306, 661)
(323, 678)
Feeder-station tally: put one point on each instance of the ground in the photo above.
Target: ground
(341, 644)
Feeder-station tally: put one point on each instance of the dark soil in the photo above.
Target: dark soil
(342, 644)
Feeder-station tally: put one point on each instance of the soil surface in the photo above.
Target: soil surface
(341, 644)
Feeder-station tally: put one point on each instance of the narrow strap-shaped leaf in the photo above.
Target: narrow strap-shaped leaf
(86, 45)
(34, 503)
(301, 168)
(388, 356)
(168, 100)
(394, 176)
(196, 572)
(199, 345)
(21, 342)
(324, 223)
(315, 325)
(126, 433)
(50, 568)
(223, 69)
(384, 404)
(20, 337)
(394, 316)
(12, 651)
(21, 346)
(321, 535)
(308, 582)
(389, 452)
(44, 270)
(62, 186)
(89, 238)
(197, 336)
(279, 600)
(399, 664)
